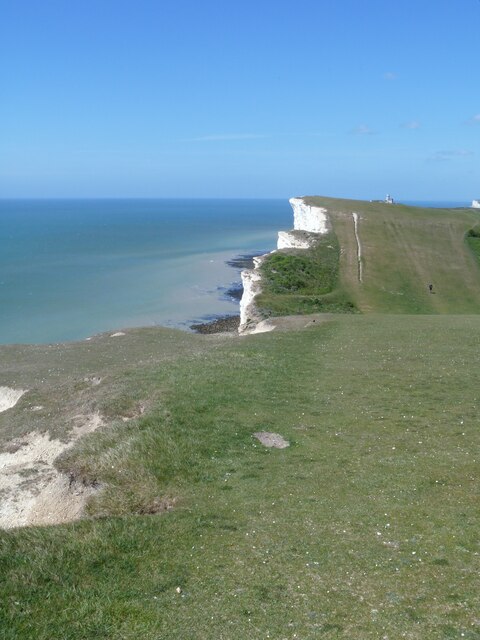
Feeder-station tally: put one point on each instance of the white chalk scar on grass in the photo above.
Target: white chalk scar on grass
(33, 491)
(269, 439)
(9, 397)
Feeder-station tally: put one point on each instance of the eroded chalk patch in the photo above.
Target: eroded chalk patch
(269, 439)
(9, 397)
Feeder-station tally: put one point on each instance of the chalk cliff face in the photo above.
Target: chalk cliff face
(308, 218)
(295, 239)
(309, 222)
(251, 280)
(476, 204)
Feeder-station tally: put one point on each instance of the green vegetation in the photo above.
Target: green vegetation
(363, 527)
(366, 527)
(403, 250)
(309, 272)
(473, 241)
(474, 232)
(474, 244)
(303, 281)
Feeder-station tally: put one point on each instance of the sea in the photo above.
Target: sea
(70, 269)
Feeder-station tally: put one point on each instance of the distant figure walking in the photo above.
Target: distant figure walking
(430, 288)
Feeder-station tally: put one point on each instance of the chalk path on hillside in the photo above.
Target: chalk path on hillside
(359, 246)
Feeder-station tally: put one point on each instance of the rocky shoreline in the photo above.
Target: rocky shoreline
(229, 323)
(225, 324)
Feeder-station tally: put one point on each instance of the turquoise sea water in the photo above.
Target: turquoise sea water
(73, 268)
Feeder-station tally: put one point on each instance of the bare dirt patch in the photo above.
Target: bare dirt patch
(269, 439)
(32, 491)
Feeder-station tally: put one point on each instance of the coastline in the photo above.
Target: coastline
(309, 223)
(74, 269)
(228, 323)
(216, 296)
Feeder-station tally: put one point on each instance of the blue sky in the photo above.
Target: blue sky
(215, 98)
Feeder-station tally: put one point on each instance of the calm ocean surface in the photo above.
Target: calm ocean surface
(73, 268)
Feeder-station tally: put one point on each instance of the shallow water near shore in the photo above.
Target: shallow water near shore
(73, 268)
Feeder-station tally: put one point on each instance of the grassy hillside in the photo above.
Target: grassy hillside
(403, 250)
(365, 527)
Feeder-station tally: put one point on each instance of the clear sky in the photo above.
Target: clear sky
(251, 98)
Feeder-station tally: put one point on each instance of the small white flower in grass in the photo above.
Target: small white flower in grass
(178, 590)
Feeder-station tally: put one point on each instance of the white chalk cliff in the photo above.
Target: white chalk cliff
(308, 218)
(295, 239)
(251, 281)
(309, 222)
(476, 204)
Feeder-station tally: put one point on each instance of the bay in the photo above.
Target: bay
(73, 268)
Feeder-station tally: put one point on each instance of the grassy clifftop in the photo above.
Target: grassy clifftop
(303, 281)
(403, 249)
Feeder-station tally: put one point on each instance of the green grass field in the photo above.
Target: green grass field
(365, 527)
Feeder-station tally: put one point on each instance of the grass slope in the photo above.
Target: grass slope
(404, 249)
(364, 528)
(60, 378)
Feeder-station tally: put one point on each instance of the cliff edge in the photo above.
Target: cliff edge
(309, 222)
